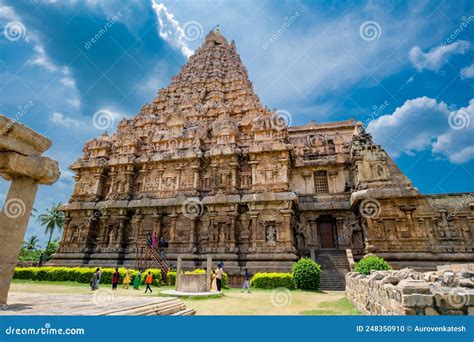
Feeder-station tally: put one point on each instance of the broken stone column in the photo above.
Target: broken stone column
(22, 164)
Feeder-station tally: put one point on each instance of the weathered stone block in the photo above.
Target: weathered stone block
(431, 312)
(417, 300)
(413, 286)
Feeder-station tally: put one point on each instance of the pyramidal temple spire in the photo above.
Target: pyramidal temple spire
(214, 80)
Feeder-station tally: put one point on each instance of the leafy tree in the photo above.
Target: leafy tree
(32, 243)
(51, 249)
(53, 219)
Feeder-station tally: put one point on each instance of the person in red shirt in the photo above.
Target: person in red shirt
(115, 279)
(148, 281)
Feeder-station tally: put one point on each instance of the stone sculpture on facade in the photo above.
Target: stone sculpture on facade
(212, 171)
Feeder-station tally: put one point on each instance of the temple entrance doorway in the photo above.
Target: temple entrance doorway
(327, 232)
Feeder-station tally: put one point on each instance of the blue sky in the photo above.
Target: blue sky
(404, 68)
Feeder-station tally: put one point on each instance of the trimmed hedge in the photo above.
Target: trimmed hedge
(273, 281)
(307, 274)
(171, 277)
(79, 274)
(371, 263)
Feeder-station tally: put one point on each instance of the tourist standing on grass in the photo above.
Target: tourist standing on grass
(115, 279)
(148, 281)
(220, 271)
(126, 280)
(246, 281)
(137, 281)
(95, 279)
(213, 281)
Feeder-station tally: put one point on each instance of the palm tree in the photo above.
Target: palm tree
(52, 219)
(32, 243)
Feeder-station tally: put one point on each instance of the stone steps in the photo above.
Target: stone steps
(168, 307)
(334, 266)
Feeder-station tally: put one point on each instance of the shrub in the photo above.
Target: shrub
(307, 274)
(273, 281)
(171, 277)
(370, 263)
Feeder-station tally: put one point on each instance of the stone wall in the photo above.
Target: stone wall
(448, 291)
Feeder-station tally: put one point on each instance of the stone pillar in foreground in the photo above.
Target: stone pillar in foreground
(208, 273)
(22, 164)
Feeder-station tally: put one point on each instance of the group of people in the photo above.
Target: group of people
(216, 283)
(152, 240)
(216, 277)
(127, 279)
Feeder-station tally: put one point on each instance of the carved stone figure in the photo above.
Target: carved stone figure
(206, 142)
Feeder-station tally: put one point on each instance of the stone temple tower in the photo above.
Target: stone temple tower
(208, 169)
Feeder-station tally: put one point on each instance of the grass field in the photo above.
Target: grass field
(259, 302)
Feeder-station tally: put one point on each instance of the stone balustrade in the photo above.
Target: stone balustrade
(448, 291)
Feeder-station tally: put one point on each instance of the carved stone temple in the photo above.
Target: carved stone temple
(211, 170)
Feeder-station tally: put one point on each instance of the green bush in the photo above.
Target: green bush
(273, 281)
(371, 263)
(79, 274)
(307, 274)
(171, 277)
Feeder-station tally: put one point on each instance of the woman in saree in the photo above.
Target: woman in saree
(214, 281)
(137, 281)
(126, 279)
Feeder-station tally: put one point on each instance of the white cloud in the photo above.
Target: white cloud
(437, 56)
(8, 13)
(170, 30)
(424, 123)
(59, 119)
(468, 72)
(76, 103)
(457, 143)
(68, 82)
(41, 59)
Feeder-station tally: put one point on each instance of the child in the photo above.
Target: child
(148, 281)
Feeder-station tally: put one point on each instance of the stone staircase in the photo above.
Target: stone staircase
(166, 307)
(334, 266)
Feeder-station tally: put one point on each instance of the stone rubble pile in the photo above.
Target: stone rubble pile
(447, 291)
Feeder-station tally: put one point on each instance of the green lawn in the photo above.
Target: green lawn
(233, 302)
